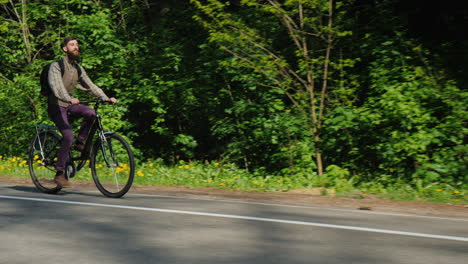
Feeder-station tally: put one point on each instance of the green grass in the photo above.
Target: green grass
(228, 176)
(209, 174)
(15, 167)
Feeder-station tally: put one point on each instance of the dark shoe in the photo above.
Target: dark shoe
(61, 180)
(79, 146)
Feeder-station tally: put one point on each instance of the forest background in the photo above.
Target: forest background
(367, 94)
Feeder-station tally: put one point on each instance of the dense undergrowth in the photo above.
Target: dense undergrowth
(336, 182)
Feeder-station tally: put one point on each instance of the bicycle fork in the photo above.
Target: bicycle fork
(111, 161)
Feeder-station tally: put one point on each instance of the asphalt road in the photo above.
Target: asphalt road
(85, 227)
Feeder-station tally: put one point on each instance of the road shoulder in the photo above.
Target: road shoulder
(367, 202)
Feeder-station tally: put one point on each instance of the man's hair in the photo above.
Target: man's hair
(66, 40)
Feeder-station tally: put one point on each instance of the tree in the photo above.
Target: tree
(298, 68)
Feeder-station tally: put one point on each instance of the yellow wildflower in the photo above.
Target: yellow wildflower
(216, 164)
(187, 166)
(141, 174)
(456, 192)
(439, 190)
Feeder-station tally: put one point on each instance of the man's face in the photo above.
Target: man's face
(72, 49)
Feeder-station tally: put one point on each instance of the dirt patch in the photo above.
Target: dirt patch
(311, 197)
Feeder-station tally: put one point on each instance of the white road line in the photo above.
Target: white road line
(364, 229)
(285, 205)
(302, 206)
(292, 206)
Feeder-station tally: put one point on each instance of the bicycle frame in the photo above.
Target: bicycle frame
(96, 128)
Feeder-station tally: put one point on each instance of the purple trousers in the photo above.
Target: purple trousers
(61, 117)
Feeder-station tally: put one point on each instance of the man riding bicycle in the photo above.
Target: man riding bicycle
(62, 104)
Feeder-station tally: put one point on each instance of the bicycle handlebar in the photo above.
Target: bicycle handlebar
(98, 101)
(95, 102)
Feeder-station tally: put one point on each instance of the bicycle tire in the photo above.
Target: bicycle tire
(42, 168)
(112, 165)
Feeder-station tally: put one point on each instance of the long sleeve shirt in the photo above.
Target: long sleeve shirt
(63, 86)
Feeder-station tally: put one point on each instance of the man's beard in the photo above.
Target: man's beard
(72, 56)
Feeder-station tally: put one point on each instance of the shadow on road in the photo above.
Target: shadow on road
(29, 189)
(24, 189)
(92, 234)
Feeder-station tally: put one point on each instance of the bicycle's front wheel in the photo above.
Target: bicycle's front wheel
(41, 161)
(112, 165)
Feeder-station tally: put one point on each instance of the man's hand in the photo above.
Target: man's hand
(74, 101)
(112, 100)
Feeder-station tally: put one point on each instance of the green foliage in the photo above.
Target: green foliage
(285, 47)
(423, 116)
(228, 81)
(412, 125)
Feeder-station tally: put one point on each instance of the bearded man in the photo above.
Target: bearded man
(62, 105)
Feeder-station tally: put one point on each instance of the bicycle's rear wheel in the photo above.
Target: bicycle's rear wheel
(113, 166)
(42, 165)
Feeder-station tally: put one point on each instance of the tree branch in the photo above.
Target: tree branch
(276, 5)
(288, 22)
(4, 77)
(278, 82)
(326, 63)
(285, 70)
(22, 20)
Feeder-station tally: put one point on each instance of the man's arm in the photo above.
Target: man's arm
(87, 85)
(56, 83)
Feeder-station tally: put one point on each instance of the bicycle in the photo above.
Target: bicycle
(110, 158)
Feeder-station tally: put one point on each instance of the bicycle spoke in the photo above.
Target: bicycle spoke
(42, 157)
(113, 166)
